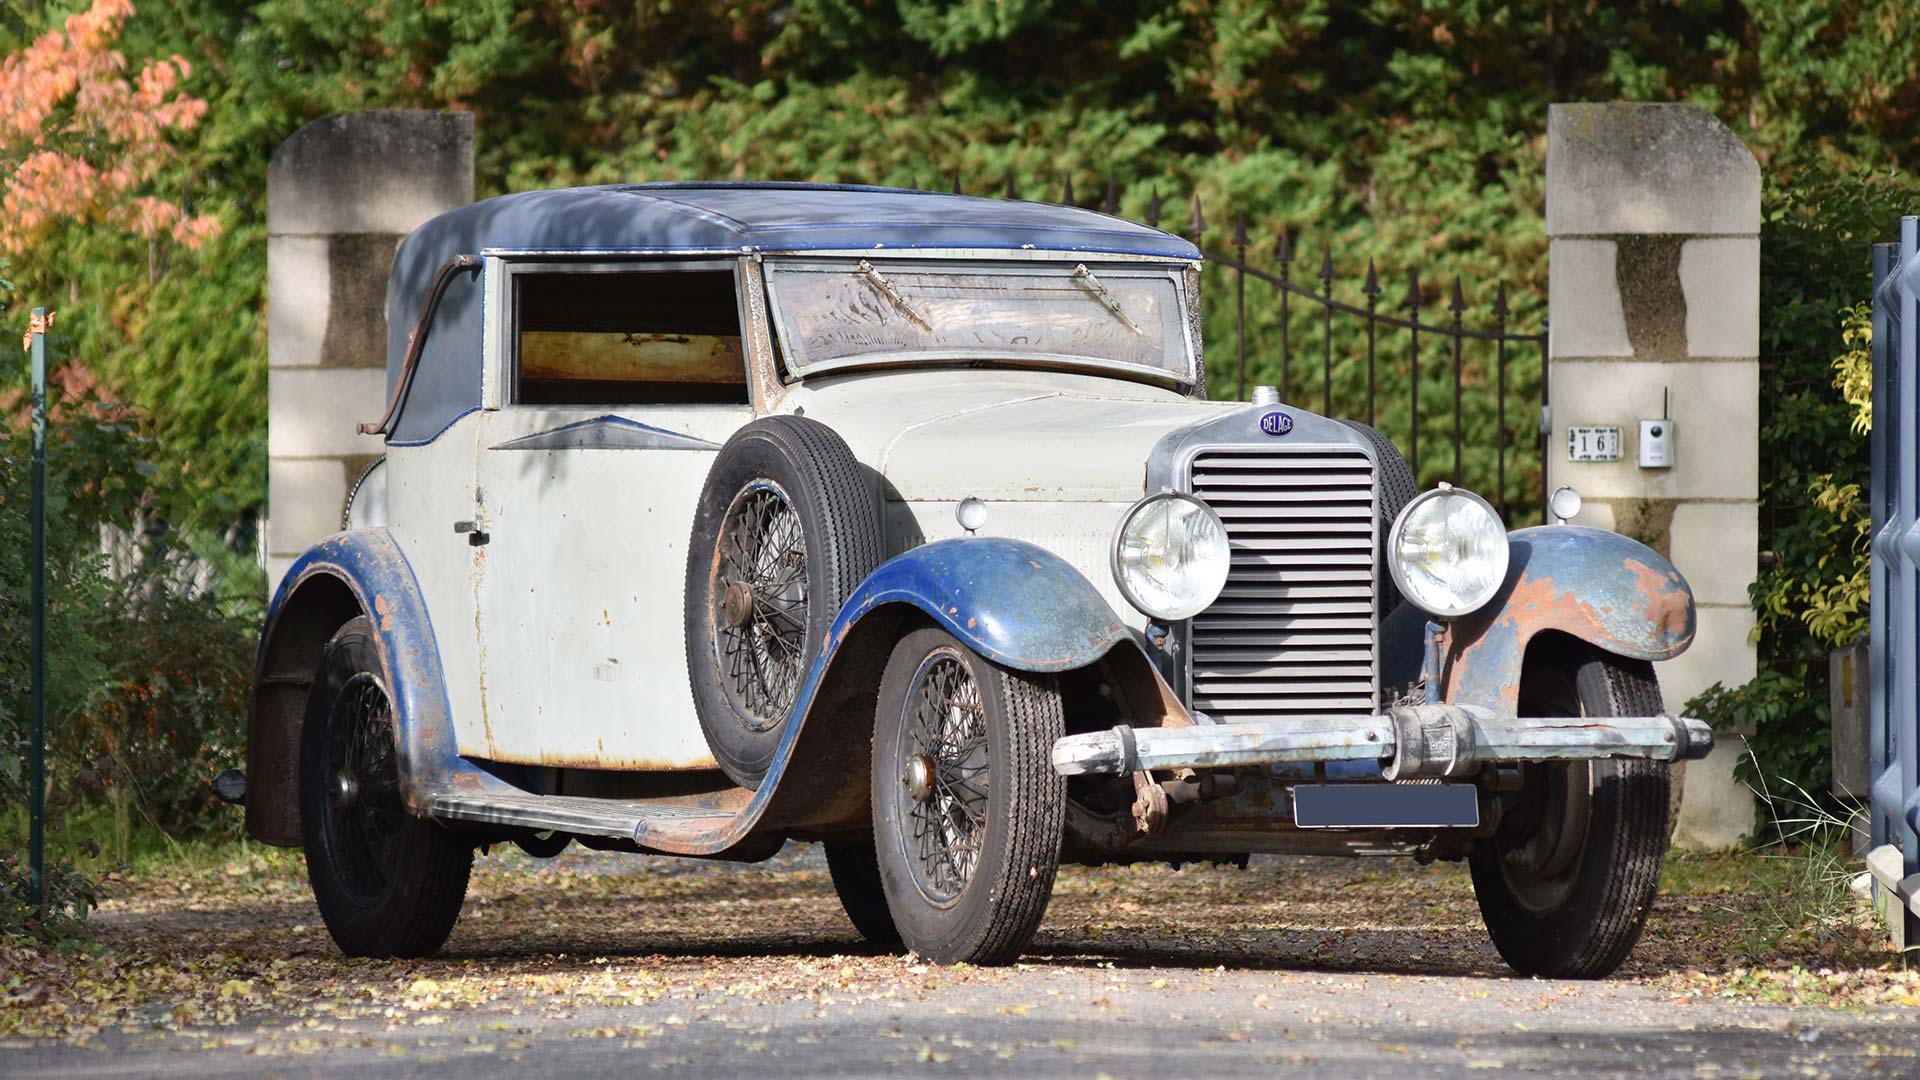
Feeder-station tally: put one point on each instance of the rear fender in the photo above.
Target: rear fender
(1610, 591)
(346, 575)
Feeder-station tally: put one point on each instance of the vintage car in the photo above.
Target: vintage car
(718, 515)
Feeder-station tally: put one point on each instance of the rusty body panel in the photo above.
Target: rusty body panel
(1011, 601)
(345, 575)
(1600, 587)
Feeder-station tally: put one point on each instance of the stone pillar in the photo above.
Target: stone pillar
(341, 193)
(1653, 220)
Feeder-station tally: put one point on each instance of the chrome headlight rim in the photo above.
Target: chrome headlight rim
(1398, 571)
(1168, 614)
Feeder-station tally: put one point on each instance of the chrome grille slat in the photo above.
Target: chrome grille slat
(1293, 631)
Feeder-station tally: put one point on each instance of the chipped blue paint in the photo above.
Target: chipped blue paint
(1603, 588)
(607, 433)
(371, 565)
(1010, 601)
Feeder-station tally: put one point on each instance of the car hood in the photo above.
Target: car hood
(1024, 437)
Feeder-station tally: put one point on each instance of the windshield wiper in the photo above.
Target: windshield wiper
(1101, 293)
(867, 273)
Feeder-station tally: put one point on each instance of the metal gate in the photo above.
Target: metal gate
(1893, 700)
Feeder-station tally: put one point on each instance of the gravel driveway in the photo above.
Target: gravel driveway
(617, 965)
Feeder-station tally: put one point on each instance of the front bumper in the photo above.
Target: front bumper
(1414, 742)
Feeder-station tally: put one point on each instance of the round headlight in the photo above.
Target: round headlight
(1448, 551)
(1171, 556)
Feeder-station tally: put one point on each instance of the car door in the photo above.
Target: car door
(618, 383)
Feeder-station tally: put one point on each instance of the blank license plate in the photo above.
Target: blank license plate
(1385, 806)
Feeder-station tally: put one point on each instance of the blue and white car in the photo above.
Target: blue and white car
(717, 515)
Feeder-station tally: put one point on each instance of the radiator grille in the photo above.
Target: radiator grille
(1293, 632)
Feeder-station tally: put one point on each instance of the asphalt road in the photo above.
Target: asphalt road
(620, 966)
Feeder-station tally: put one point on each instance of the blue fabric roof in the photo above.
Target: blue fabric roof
(705, 217)
(723, 216)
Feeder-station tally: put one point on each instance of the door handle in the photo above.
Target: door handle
(476, 537)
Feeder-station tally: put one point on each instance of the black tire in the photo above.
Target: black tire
(387, 883)
(856, 878)
(779, 478)
(1393, 488)
(978, 900)
(1566, 883)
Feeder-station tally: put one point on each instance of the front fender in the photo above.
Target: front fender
(1600, 587)
(1013, 602)
(362, 572)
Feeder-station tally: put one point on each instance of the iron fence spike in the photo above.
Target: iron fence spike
(1500, 301)
(1459, 300)
(1067, 196)
(1413, 288)
(1286, 247)
(1112, 203)
(1372, 287)
(1153, 209)
(1011, 194)
(1197, 224)
(1326, 264)
(1240, 231)
(956, 181)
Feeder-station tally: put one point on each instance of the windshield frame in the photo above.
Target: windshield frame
(1178, 274)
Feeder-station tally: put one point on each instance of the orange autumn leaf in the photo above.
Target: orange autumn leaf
(78, 137)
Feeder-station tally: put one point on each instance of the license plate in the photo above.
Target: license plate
(1386, 806)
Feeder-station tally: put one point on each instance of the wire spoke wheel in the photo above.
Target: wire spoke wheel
(760, 600)
(946, 773)
(364, 813)
(967, 810)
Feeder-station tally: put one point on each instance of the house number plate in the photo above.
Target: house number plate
(1593, 444)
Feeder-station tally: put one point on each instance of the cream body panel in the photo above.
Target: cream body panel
(582, 627)
(428, 489)
(1005, 435)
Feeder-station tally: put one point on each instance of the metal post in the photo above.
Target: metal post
(1286, 342)
(1240, 302)
(1326, 331)
(37, 664)
(1372, 291)
(1545, 338)
(1500, 404)
(1413, 368)
(1458, 307)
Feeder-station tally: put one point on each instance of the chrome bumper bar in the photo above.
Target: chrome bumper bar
(1413, 742)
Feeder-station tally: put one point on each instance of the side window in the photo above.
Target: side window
(627, 338)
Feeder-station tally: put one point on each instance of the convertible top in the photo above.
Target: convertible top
(701, 218)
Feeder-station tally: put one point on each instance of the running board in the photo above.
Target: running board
(623, 818)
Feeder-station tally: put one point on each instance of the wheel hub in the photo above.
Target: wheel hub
(737, 604)
(918, 777)
(345, 790)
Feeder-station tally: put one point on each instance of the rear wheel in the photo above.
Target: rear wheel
(387, 883)
(967, 810)
(856, 878)
(1566, 883)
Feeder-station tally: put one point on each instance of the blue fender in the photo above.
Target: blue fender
(1013, 602)
(1008, 600)
(1603, 588)
(310, 604)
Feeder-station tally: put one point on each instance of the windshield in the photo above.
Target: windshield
(842, 312)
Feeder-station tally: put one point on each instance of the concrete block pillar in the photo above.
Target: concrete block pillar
(341, 193)
(1653, 221)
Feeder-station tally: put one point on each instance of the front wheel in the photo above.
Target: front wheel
(1566, 883)
(967, 810)
(387, 883)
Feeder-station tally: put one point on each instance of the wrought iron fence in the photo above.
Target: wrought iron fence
(1377, 355)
